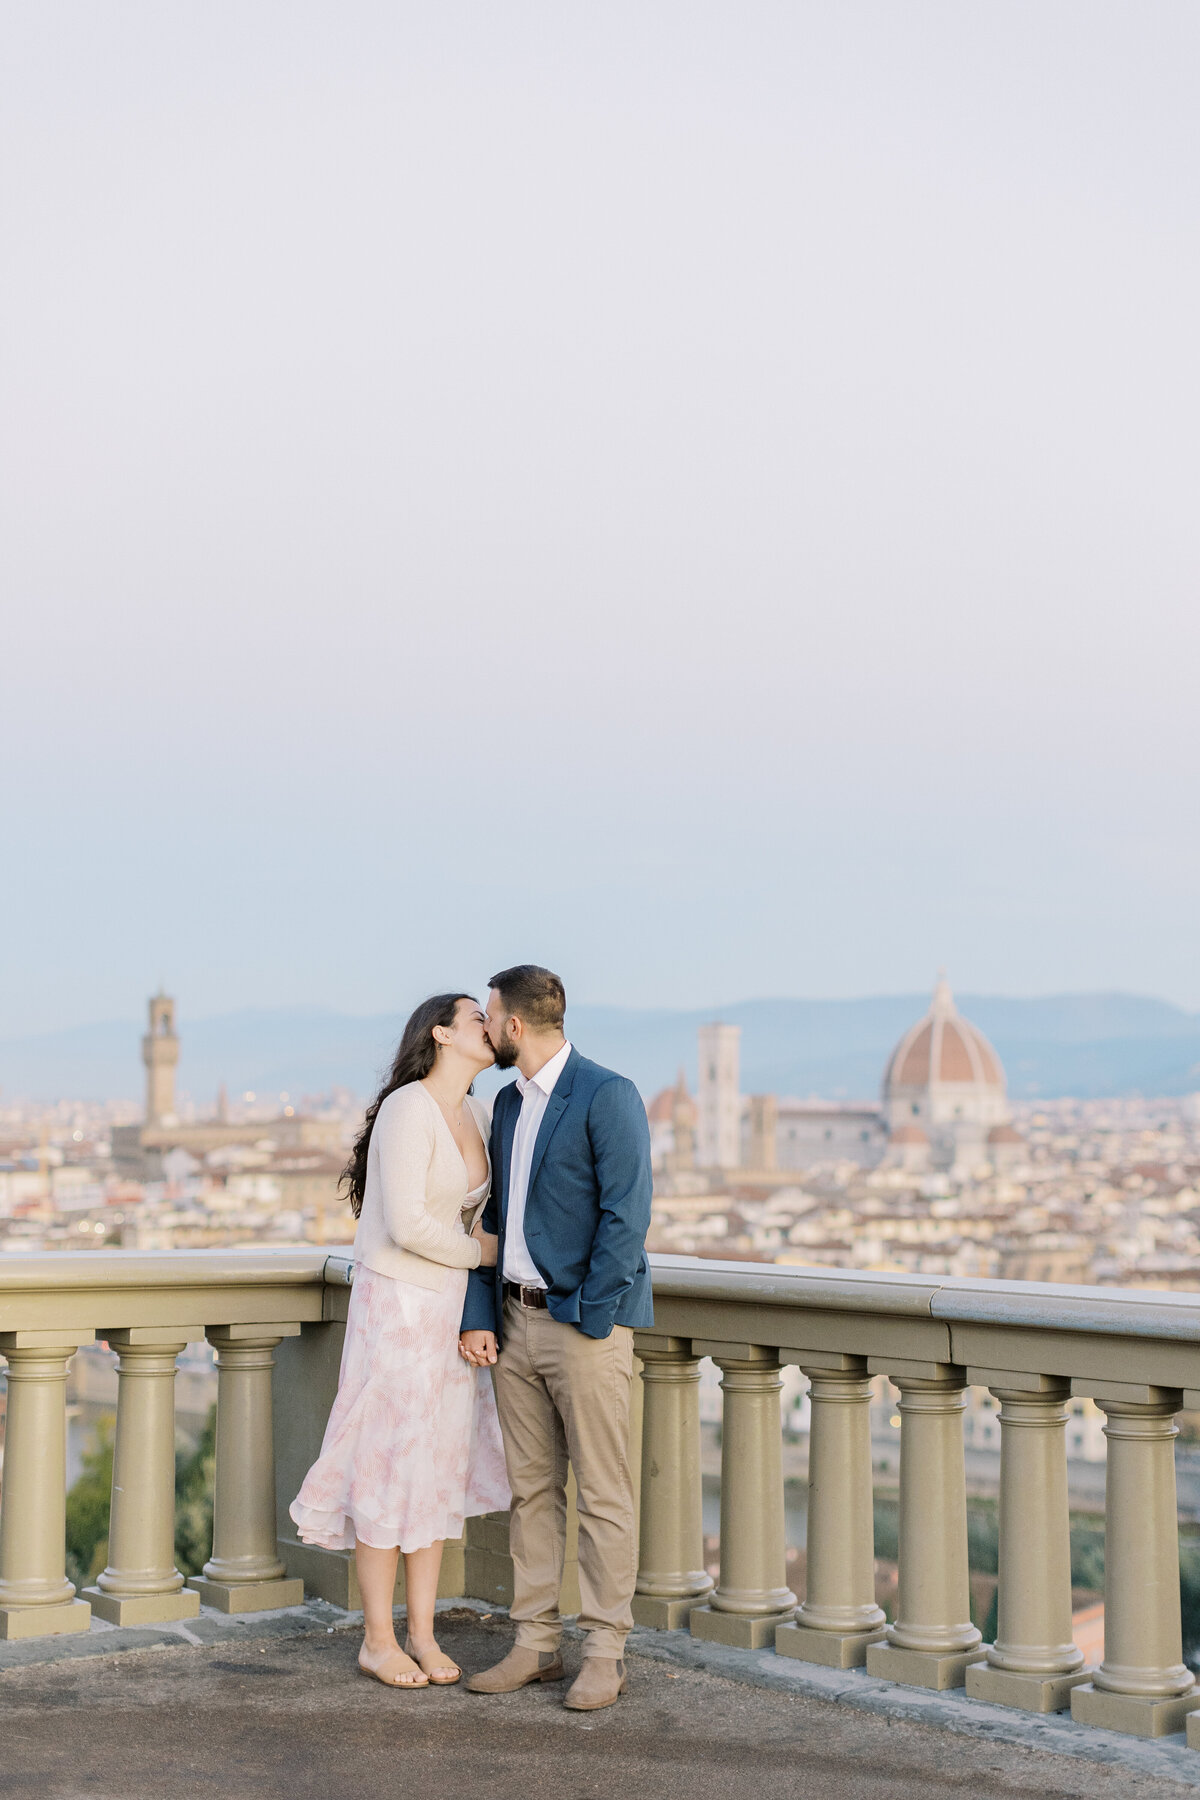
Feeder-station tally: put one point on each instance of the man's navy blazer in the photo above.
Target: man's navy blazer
(587, 1210)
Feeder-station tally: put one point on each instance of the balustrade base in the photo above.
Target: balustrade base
(1136, 1714)
(248, 1596)
(921, 1668)
(143, 1609)
(743, 1630)
(44, 1621)
(1193, 1730)
(832, 1649)
(489, 1576)
(1029, 1693)
(665, 1615)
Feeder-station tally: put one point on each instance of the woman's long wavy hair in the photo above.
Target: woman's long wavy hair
(414, 1059)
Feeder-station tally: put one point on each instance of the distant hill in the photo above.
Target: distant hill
(1085, 1044)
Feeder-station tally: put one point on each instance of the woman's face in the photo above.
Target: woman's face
(467, 1035)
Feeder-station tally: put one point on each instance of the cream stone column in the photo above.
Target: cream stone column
(36, 1599)
(1142, 1686)
(838, 1618)
(752, 1596)
(244, 1573)
(1034, 1663)
(671, 1573)
(141, 1585)
(933, 1639)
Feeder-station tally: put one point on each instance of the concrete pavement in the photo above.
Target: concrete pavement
(266, 1716)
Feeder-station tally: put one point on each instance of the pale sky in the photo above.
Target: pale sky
(702, 496)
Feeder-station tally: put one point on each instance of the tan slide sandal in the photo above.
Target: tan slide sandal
(436, 1665)
(393, 1670)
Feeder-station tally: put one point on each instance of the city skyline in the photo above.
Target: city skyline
(1082, 1045)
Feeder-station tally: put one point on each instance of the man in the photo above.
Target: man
(570, 1203)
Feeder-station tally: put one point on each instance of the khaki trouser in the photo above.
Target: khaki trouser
(562, 1395)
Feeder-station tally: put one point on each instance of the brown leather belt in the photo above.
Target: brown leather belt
(526, 1296)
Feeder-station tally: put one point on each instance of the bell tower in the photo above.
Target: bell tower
(160, 1053)
(720, 1145)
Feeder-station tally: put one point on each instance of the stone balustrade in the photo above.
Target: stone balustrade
(1033, 1346)
(147, 1306)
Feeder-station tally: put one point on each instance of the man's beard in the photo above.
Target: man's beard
(505, 1053)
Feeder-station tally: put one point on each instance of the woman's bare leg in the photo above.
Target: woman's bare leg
(421, 1571)
(377, 1582)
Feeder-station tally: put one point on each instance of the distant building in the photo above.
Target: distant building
(720, 1108)
(160, 1053)
(138, 1150)
(762, 1122)
(945, 1100)
(820, 1131)
(672, 1117)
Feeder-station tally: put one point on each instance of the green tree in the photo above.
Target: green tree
(87, 1508)
(194, 1500)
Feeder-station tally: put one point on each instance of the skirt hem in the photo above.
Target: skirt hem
(341, 1530)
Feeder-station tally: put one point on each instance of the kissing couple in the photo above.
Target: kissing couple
(500, 1271)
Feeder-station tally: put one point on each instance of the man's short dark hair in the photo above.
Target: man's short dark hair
(533, 994)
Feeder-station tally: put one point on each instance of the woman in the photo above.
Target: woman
(412, 1446)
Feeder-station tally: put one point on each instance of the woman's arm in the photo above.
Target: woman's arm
(406, 1142)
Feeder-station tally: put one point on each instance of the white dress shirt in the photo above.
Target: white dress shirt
(519, 1266)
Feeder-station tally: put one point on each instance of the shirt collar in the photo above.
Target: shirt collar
(547, 1076)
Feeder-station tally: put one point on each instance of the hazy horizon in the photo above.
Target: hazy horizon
(1089, 1046)
(702, 497)
(919, 997)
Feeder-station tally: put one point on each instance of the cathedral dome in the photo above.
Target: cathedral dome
(943, 1071)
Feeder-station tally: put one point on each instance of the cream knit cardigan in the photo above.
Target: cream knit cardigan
(411, 1225)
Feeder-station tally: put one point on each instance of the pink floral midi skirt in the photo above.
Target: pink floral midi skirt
(412, 1447)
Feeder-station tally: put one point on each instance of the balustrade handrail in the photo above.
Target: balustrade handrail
(1122, 1312)
(246, 1265)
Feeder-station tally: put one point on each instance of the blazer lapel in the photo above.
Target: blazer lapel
(556, 1106)
(508, 1126)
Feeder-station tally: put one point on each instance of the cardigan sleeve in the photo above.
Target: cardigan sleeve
(406, 1142)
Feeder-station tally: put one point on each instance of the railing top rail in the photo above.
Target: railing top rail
(1041, 1305)
(252, 1266)
(32, 1281)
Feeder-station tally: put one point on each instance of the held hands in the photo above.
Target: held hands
(478, 1348)
(488, 1243)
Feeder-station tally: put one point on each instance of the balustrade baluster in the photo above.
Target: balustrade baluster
(244, 1573)
(752, 1597)
(933, 1640)
(671, 1573)
(141, 1585)
(838, 1619)
(1142, 1685)
(36, 1599)
(1033, 1663)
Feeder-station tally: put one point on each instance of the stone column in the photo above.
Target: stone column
(933, 1639)
(671, 1573)
(36, 1599)
(1033, 1664)
(244, 1573)
(1142, 1685)
(752, 1596)
(141, 1585)
(839, 1617)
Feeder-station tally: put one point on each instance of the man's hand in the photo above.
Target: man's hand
(478, 1348)
(489, 1245)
